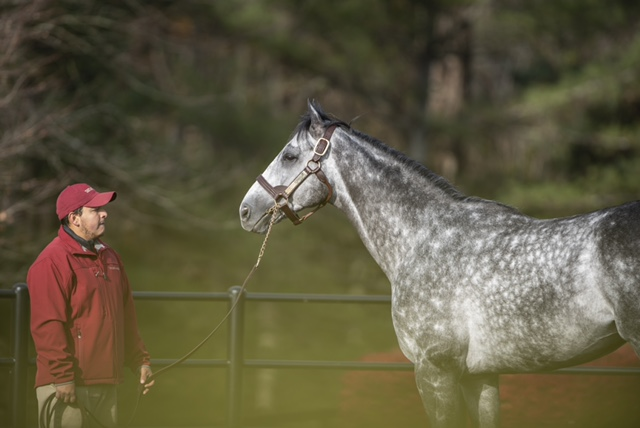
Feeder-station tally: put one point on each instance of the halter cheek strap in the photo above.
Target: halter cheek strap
(281, 193)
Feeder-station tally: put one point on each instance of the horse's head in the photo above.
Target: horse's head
(294, 180)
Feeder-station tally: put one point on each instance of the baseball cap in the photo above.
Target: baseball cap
(81, 195)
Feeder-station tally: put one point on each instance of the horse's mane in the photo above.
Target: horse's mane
(434, 178)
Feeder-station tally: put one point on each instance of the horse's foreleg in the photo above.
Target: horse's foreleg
(441, 396)
(482, 397)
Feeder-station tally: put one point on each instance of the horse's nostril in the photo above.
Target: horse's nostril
(244, 211)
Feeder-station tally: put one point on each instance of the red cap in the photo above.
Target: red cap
(81, 195)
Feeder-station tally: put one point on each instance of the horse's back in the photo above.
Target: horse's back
(620, 232)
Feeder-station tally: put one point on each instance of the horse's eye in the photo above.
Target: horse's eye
(289, 157)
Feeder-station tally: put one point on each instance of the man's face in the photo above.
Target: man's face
(90, 224)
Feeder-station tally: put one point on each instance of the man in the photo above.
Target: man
(83, 319)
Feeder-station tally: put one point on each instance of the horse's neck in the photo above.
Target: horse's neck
(393, 207)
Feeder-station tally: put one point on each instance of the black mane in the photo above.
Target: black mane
(436, 179)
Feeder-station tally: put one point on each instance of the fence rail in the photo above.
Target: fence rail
(19, 362)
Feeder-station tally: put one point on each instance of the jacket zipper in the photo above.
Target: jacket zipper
(110, 313)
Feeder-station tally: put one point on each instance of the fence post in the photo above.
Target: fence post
(20, 352)
(235, 351)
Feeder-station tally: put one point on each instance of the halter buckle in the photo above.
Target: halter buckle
(322, 145)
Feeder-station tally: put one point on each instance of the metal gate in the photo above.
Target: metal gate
(18, 363)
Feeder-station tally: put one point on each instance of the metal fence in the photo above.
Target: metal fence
(18, 363)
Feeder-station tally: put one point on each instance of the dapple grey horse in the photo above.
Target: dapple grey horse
(478, 288)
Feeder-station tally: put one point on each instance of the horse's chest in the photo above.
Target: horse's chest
(425, 324)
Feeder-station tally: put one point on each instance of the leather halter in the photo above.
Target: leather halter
(281, 193)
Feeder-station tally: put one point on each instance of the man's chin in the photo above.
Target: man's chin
(100, 232)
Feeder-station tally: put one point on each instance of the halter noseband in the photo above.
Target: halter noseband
(281, 193)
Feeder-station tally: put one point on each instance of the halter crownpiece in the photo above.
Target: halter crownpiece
(281, 193)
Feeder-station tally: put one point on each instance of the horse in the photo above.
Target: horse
(478, 288)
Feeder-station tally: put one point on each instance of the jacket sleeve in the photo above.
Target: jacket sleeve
(136, 353)
(49, 291)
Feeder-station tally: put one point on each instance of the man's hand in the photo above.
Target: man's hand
(145, 373)
(66, 393)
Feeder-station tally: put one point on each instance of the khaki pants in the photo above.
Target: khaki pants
(99, 400)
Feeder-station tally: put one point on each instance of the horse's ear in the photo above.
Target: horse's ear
(316, 128)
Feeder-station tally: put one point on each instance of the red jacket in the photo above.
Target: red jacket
(83, 320)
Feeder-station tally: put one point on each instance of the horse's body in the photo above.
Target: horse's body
(478, 288)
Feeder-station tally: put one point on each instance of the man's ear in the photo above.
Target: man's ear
(74, 219)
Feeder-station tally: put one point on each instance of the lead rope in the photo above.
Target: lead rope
(49, 411)
(274, 212)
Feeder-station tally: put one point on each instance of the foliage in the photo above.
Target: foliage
(154, 99)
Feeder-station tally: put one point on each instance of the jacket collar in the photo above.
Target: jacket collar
(79, 245)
